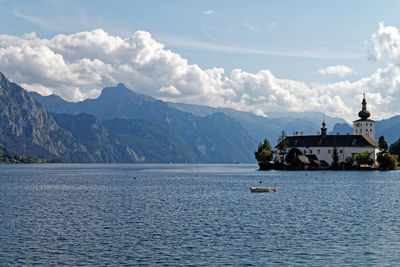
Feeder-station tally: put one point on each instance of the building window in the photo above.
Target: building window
(305, 152)
(319, 151)
(370, 124)
(310, 151)
(341, 151)
(329, 151)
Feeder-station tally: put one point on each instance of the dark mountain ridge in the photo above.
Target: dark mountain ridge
(214, 138)
(27, 129)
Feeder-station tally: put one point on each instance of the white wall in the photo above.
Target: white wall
(364, 128)
(325, 153)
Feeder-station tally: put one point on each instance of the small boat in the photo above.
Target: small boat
(259, 189)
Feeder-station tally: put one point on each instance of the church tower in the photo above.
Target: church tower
(364, 126)
(324, 130)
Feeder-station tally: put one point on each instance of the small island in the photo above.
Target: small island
(358, 151)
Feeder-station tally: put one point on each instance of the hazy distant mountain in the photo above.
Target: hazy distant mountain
(307, 122)
(267, 127)
(342, 129)
(389, 128)
(213, 138)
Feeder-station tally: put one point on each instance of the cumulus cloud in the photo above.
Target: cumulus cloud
(338, 70)
(67, 64)
(209, 12)
(171, 90)
(386, 42)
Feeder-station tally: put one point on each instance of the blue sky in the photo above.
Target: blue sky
(335, 31)
(291, 39)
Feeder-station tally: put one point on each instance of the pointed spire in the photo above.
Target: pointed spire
(323, 129)
(364, 113)
(364, 103)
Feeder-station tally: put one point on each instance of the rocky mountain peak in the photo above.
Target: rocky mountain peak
(25, 127)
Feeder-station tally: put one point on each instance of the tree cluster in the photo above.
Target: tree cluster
(335, 159)
(364, 158)
(264, 155)
(386, 160)
(7, 157)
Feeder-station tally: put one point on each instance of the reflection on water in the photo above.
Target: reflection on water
(93, 214)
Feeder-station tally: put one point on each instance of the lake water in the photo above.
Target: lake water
(95, 214)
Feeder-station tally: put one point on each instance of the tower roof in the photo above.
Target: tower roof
(364, 113)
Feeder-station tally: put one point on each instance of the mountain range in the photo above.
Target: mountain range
(119, 126)
(309, 123)
(213, 138)
(260, 127)
(124, 126)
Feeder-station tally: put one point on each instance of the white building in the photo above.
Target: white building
(322, 145)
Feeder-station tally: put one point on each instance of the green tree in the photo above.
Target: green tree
(387, 162)
(395, 148)
(364, 158)
(383, 146)
(335, 158)
(264, 153)
(385, 159)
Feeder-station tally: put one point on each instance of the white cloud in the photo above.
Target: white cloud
(386, 42)
(209, 12)
(69, 64)
(338, 70)
(171, 90)
(249, 26)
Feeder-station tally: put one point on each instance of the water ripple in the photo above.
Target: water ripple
(93, 214)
